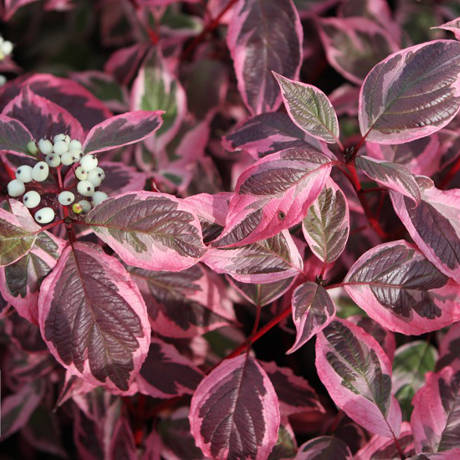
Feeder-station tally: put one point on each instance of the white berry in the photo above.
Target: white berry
(53, 160)
(15, 188)
(95, 176)
(32, 148)
(24, 173)
(85, 205)
(88, 162)
(40, 171)
(44, 215)
(66, 198)
(2, 80)
(59, 138)
(7, 47)
(76, 156)
(60, 147)
(66, 158)
(81, 174)
(31, 199)
(45, 146)
(75, 146)
(99, 197)
(85, 188)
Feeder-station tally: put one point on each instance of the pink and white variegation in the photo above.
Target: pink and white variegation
(248, 37)
(357, 374)
(234, 411)
(90, 298)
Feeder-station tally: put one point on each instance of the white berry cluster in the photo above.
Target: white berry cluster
(6, 48)
(62, 152)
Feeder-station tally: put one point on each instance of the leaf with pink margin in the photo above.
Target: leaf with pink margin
(448, 349)
(306, 7)
(324, 447)
(434, 419)
(41, 117)
(156, 88)
(357, 374)
(87, 436)
(234, 411)
(295, 395)
(452, 26)
(326, 226)
(264, 134)
(120, 178)
(411, 94)
(383, 336)
(248, 38)
(120, 130)
(312, 311)
(274, 194)
(434, 225)
(24, 334)
(262, 294)
(11, 6)
(105, 88)
(165, 373)
(265, 261)
(419, 157)
(310, 109)
(344, 99)
(390, 175)
(20, 281)
(109, 329)
(18, 407)
(184, 304)
(67, 94)
(122, 443)
(18, 232)
(380, 447)
(354, 45)
(14, 136)
(403, 291)
(135, 224)
(124, 62)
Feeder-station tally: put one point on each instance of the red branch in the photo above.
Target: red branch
(451, 173)
(208, 28)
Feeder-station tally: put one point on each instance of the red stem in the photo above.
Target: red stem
(450, 175)
(8, 169)
(51, 225)
(209, 28)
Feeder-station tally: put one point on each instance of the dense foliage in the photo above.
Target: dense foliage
(230, 229)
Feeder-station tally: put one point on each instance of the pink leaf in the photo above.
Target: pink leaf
(120, 178)
(448, 349)
(295, 394)
(452, 26)
(312, 311)
(121, 130)
(124, 62)
(357, 374)
(434, 225)
(134, 224)
(310, 109)
(354, 45)
(412, 93)
(122, 443)
(90, 298)
(165, 373)
(266, 261)
(11, 6)
(419, 157)
(436, 408)
(18, 407)
(324, 447)
(401, 290)
(20, 281)
(274, 194)
(43, 118)
(234, 411)
(249, 38)
(390, 175)
(186, 303)
(14, 136)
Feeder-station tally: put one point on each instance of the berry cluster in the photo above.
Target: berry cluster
(45, 185)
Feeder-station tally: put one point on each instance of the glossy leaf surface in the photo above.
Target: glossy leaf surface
(234, 411)
(357, 374)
